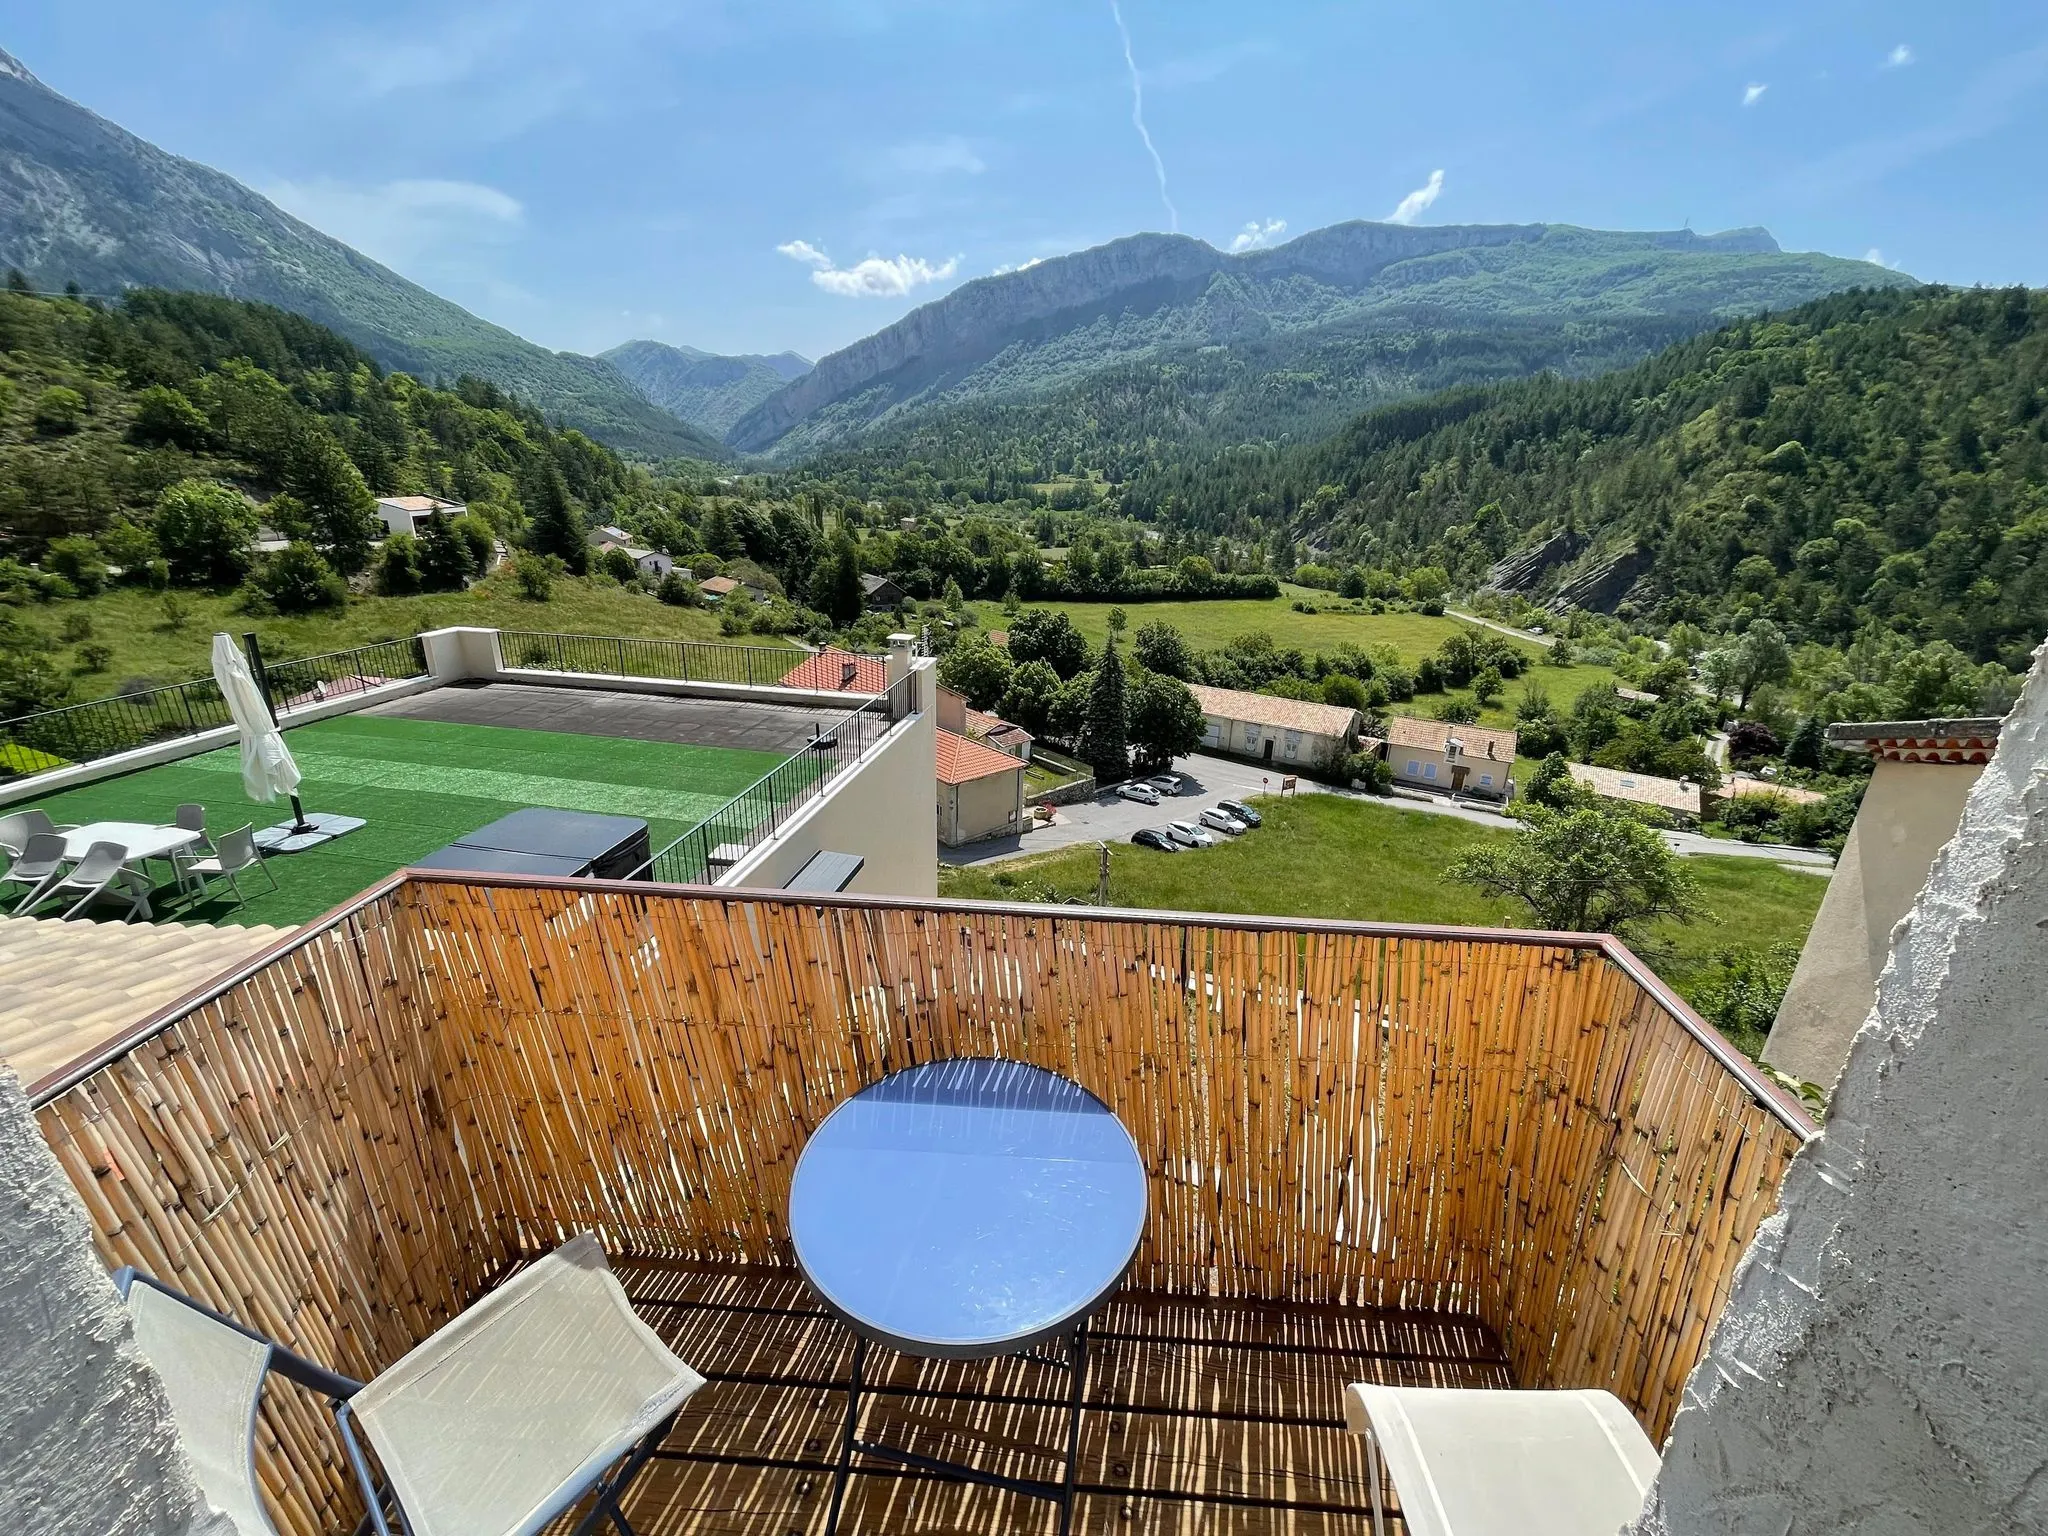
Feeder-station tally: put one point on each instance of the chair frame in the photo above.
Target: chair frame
(609, 1484)
(206, 878)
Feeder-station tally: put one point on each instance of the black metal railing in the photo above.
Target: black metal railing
(725, 837)
(84, 733)
(678, 661)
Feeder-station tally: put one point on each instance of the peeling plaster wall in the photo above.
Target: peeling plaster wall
(87, 1447)
(1882, 1363)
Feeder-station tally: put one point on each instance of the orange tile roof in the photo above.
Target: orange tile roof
(962, 759)
(1643, 788)
(1269, 709)
(719, 586)
(826, 673)
(1747, 784)
(1430, 735)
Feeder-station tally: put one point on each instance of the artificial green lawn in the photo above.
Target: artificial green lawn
(420, 784)
(1329, 857)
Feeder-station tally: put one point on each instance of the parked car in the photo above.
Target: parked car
(1152, 837)
(1241, 811)
(1222, 821)
(1192, 836)
(1166, 783)
(1144, 794)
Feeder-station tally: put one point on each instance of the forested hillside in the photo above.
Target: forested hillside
(1869, 458)
(703, 388)
(84, 202)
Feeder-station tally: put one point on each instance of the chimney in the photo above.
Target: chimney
(899, 669)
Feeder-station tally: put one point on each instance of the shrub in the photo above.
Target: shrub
(131, 548)
(1458, 712)
(59, 410)
(398, 566)
(96, 657)
(678, 591)
(79, 561)
(536, 576)
(619, 565)
(297, 580)
(165, 417)
(478, 537)
(1370, 772)
(76, 627)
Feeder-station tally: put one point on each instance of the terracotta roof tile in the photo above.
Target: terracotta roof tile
(826, 672)
(962, 759)
(1641, 788)
(1268, 709)
(1430, 735)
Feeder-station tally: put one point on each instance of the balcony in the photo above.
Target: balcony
(1459, 1157)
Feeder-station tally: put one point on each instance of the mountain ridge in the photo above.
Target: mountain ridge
(82, 199)
(1145, 291)
(706, 389)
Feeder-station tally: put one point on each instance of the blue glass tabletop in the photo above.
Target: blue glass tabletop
(967, 1208)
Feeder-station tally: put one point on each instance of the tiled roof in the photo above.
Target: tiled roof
(417, 503)
(826, 673)
(962, 759)
(68, 988)
(1919, 741)
(718, 586)
(1642, 788)
(1281, 714)
(1477, 741)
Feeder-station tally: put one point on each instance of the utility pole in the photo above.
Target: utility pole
(1102, 878)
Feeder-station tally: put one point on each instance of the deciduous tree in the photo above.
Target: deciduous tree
(1589, 869)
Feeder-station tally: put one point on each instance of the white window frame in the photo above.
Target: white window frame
(1414, 769)
(1429, 770)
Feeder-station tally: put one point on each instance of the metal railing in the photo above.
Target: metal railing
(84, 733)
(677, 661)
(725, 837)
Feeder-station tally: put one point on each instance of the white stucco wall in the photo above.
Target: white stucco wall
(986, 807)
(1909, 811)
(1882, 1364)
(881, 811)
(87, 1447)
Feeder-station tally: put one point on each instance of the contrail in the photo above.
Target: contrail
(1138, 115)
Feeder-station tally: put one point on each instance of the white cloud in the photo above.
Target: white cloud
(1876, 258)
(1411, 207)
(805, 252)
(1022, 266)
(937, 157)
(399, 222)
(1752, 93)
(1899, 57)
(1254, 234)
(879, 277)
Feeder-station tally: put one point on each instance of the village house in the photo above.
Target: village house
(1457, 759)
(1288, 733)
(981, 790)
(1681, 797)
(405, 514)
(880, 592)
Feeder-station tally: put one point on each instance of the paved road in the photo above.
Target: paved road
(1546, 641)
(1110, 819)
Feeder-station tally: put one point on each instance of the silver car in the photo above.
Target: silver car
(1222, 821)
(1144, 794)
(1190, 835)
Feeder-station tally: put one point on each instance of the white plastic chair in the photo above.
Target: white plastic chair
(191, 817)
(1471, 1462)
(103, 873)
(17, 827)
(39, 862)
(235, 854)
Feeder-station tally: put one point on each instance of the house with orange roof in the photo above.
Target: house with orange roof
(1288, 733)
(1458, 759)
(981, 791)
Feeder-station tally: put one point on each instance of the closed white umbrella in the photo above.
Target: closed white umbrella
(267, 767)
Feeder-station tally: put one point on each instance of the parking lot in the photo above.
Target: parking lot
(1112, 819)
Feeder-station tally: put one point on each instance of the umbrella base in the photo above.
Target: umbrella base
(295, 837)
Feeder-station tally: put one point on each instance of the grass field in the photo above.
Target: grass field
(1210, 626)
(132, 623)
(420, 784)
(1325, 856)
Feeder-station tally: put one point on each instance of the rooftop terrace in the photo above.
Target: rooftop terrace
(1373, 1153)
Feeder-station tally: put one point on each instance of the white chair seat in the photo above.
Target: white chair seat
(1506, 1463)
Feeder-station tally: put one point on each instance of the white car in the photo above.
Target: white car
(1144, 794)
(1187, 833)
(1165, 783)
(1222, 821)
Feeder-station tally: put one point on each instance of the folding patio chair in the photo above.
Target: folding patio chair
(213, 1369)
(1471, 1462)
(545, 1391)
(39, 861)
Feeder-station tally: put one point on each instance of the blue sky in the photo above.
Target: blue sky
(755, 176)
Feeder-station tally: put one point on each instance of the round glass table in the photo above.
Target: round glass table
(963, 1209)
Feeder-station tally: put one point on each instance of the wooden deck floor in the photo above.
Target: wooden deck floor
(1201, 1417)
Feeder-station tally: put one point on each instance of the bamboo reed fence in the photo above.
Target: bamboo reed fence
(344, 1143)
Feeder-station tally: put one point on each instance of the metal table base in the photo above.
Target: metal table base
(1060, 1493)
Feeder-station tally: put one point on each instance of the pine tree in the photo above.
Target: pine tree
(557, 530)
(1105, 739)
(836, 591)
